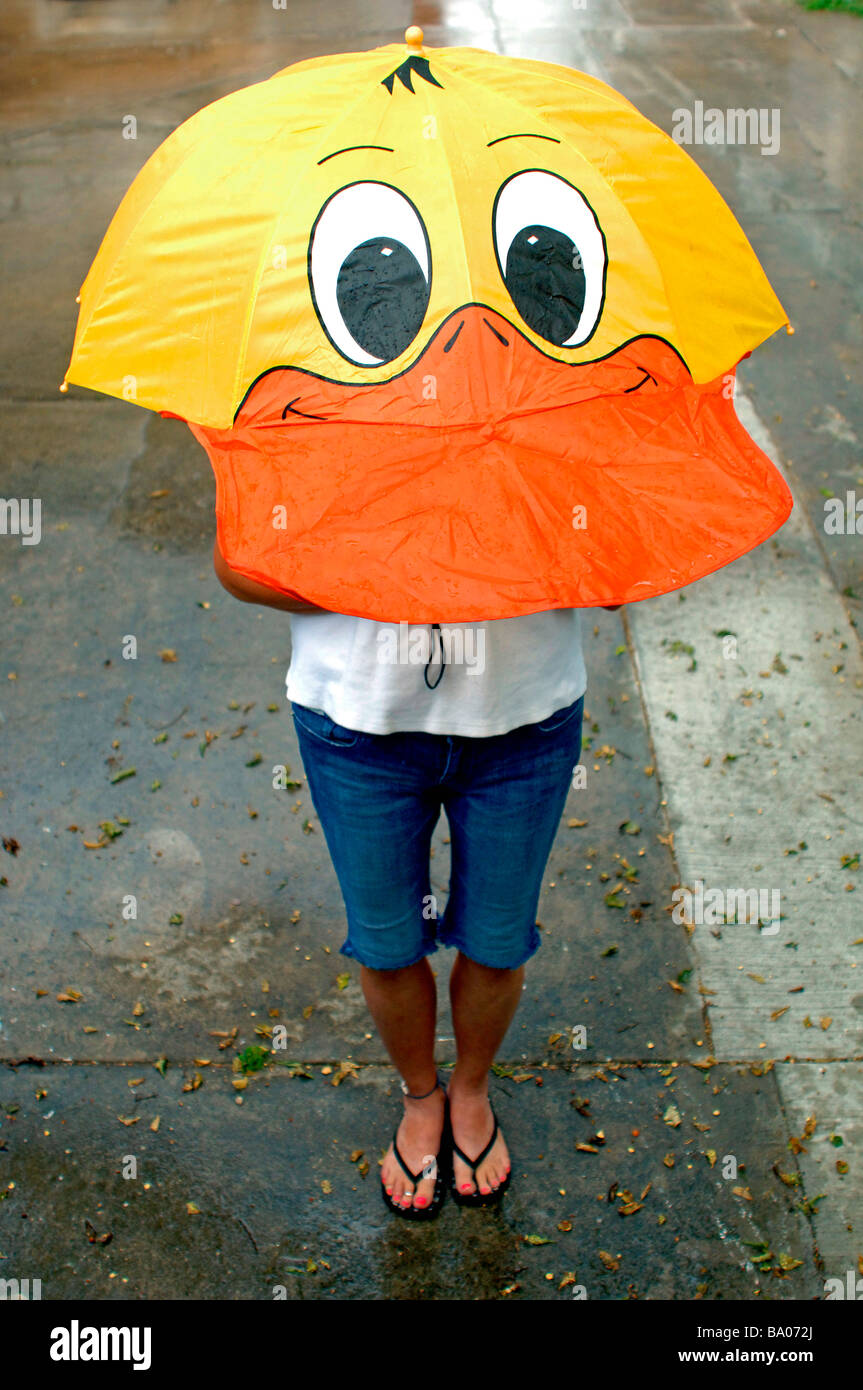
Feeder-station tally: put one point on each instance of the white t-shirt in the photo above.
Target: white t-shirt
(496, 676)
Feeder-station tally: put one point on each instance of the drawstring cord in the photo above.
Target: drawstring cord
(436, 628)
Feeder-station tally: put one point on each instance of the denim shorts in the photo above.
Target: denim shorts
(378, 798)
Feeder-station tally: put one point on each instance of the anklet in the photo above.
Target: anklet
(406, 1092)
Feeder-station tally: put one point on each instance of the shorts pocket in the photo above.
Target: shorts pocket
(320, 726)
(561, 717)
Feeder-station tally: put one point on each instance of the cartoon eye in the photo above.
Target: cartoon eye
(551, 253)
(370, 272)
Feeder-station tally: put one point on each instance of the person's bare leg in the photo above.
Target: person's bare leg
(483, 1004)
(403, 1004)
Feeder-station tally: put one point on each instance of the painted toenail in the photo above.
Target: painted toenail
(465, 1187)
(390, 1191)
(485, 1191)
(421, 1201)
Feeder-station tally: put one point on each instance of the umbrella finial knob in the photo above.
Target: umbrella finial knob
(414, 36)
(64, 386)
(788, 328)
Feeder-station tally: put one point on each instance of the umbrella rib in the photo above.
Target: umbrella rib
(455, 204)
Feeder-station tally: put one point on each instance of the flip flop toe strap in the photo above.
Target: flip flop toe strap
(473, 1163)
(414, 1177)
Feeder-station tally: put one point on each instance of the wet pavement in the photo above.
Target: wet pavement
(720, 1091)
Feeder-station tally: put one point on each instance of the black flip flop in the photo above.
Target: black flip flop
(477, 1198)
(412, 1213)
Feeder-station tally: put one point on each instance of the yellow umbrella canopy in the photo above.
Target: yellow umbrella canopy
(206, 278)
(457, 331)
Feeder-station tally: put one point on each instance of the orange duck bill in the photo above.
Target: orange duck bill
(490, 480)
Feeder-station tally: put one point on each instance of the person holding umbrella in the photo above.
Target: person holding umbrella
(378, 795)
(459, 335)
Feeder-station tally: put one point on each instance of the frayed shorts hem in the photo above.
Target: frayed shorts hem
(484, 958)
(478, 957)
(375, 964)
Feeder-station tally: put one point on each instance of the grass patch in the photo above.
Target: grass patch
(846, 6)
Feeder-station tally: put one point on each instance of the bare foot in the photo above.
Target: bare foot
(419, 1140)
(472, 1126)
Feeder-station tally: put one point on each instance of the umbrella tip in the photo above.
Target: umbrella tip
(414, 36)
(64, 386)
(788, 328)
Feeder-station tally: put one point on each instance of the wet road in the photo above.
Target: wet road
(705, 1044)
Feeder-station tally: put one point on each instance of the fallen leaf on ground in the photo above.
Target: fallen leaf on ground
(93, 1236)
(787, 1262)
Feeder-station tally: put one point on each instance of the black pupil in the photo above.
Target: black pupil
(383, 295)
(546, 281)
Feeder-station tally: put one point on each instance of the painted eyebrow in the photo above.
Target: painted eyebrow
(523, 135)
(356, 147)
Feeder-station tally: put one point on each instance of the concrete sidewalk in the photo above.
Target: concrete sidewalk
(720, 1093)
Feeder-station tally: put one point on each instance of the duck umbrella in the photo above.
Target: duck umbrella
(457, 331)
